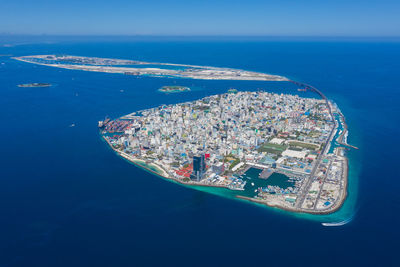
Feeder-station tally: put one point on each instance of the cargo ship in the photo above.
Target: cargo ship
(103, 124)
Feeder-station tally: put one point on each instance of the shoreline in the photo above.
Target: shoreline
(131, 160)
(254, 200)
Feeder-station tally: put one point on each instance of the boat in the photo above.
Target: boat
(252, 184)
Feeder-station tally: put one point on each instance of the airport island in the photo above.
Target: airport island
(279, 150)
(273, 149)
(143, 69)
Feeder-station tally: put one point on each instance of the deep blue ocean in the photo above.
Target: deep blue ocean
(66, 199)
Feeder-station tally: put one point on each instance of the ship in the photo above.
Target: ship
(103, 124)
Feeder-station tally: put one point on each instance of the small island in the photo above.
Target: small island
(34, 85)
(174, 89)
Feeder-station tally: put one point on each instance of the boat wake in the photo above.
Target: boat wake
(338, 223)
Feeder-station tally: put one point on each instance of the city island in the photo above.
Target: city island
(278, 150)
(272, 149)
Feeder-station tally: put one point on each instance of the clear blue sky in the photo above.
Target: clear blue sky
(202, 17)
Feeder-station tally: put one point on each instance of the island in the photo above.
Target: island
(279, 150)
(272, 149)
(34, 85)
(174, 89)
(152, 69)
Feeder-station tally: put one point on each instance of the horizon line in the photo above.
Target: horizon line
(196, 35)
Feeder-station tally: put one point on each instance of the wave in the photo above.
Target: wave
(341, 223)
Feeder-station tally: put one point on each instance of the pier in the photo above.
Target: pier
(266, 173)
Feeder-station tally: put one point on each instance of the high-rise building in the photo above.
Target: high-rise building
(199, 167)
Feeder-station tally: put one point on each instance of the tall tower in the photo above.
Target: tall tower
(199, 167)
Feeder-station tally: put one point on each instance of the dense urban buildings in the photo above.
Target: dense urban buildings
(217, 140)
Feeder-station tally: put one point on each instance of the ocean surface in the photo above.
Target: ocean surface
(66, 199)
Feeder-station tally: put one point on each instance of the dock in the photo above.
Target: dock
(266, 173)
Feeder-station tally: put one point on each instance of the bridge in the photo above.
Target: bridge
(303, 192)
